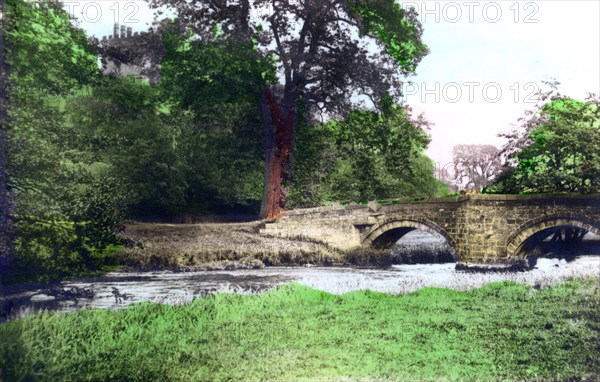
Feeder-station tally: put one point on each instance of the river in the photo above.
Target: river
(118, 289)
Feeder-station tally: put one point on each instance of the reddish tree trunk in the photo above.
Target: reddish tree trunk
(279, 123)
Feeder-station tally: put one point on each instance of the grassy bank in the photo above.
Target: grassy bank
(501, 331)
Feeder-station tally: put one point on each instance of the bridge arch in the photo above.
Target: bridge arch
(539, 228)
(386, 234)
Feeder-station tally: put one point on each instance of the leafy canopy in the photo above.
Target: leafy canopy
(366, 156)
(325, 52)
(557, 149)
(46, 51)
(64, 215)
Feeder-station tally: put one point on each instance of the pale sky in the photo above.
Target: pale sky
(561, 39)
(486, 58)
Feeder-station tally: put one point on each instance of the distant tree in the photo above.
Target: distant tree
(556, 147)
(475, 166)
(322, 55)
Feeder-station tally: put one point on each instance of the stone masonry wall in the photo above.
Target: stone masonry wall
(482, 229)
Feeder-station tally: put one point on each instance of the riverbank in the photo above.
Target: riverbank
(116, 290)
(216, 246)
(503, 331)
(238, 245)
(219, 246)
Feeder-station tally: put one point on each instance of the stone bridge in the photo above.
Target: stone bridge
(483, 230)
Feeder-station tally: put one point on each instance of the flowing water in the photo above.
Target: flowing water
(116, 290)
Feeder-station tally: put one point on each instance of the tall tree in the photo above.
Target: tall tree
(476, 166)
(555, 149)
(327, 53)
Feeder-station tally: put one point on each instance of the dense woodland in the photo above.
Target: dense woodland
(229, 127)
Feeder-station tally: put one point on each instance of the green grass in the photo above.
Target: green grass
(503, 331)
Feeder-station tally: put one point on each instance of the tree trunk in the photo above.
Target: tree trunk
(280, 126)
(5, 203)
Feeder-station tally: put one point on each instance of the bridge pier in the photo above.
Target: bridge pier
(485, 231)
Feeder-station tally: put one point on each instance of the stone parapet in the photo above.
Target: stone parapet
(482, 229)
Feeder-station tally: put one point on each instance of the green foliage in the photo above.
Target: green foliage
(503, 331)
(64, 215)
(134, 138)
(218, 84)
(393, 26)
(56, 249)
(562, 151)
(316, 159)
(207, 75)
(365, 157)
(44, 50)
